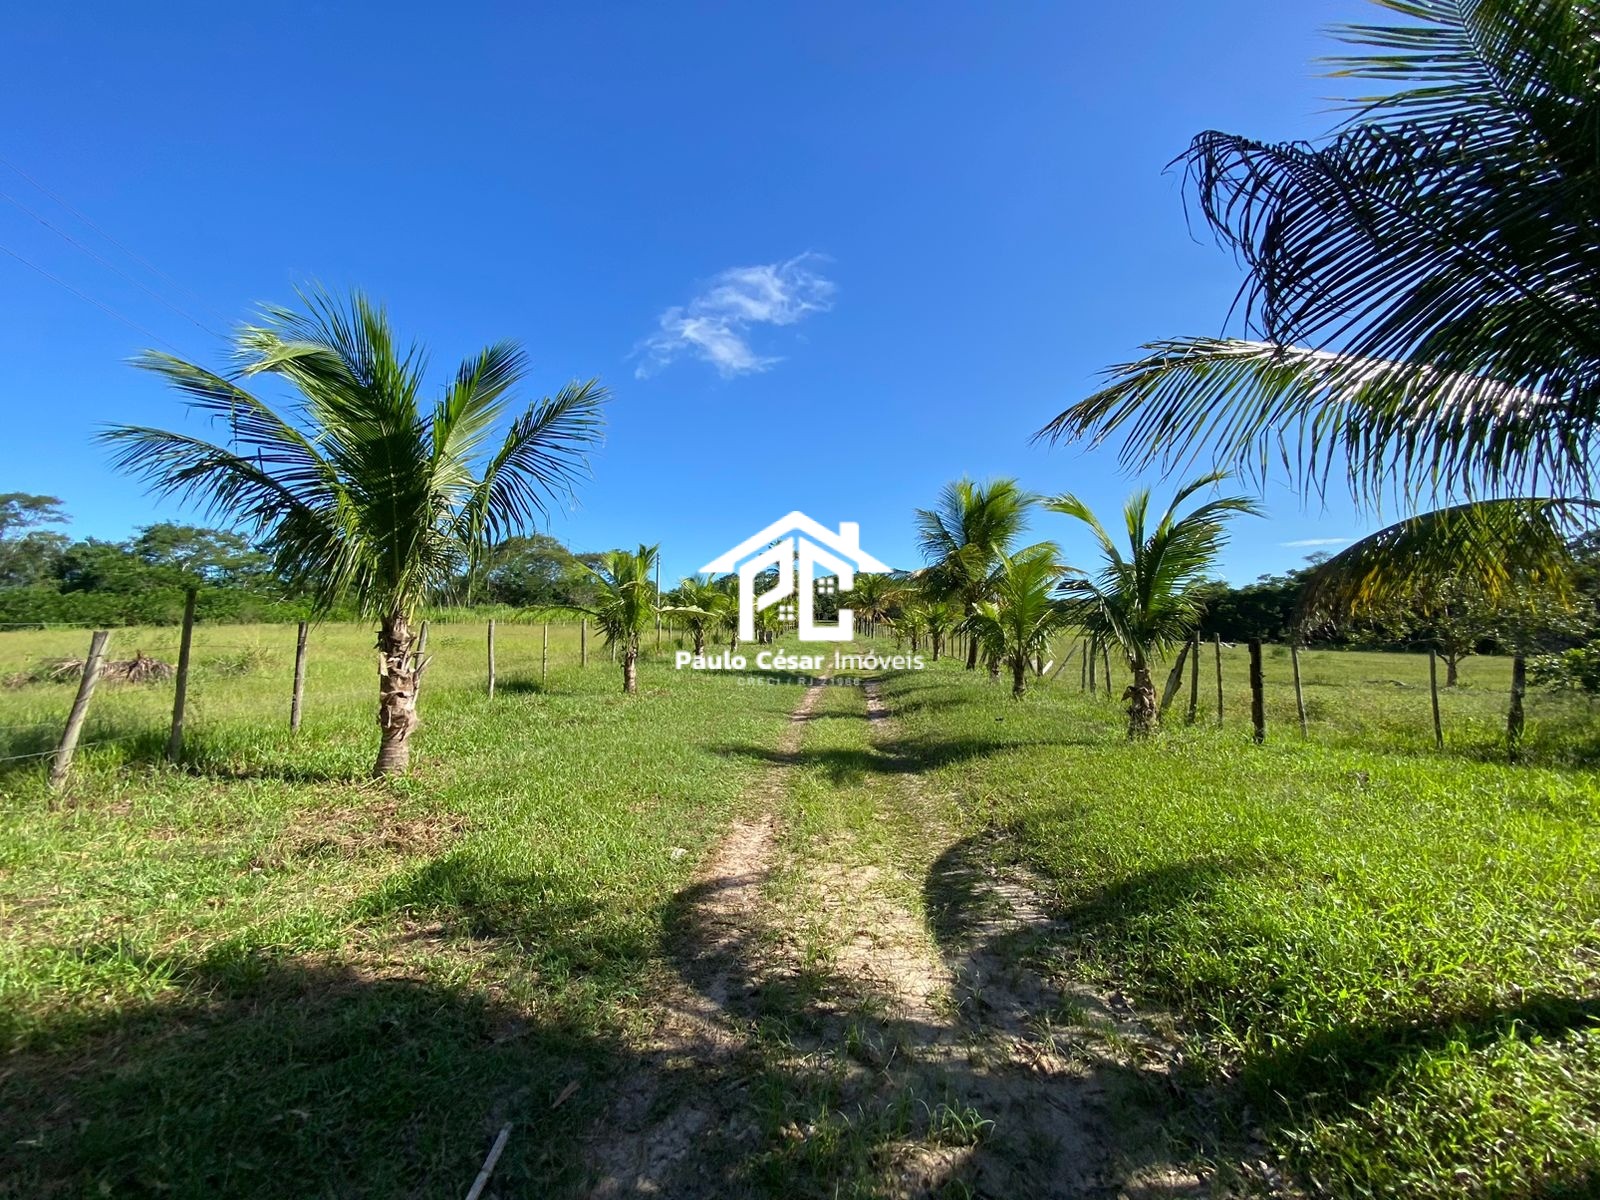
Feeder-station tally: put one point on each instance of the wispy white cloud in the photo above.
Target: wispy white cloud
(715, 326)
(1308, 543)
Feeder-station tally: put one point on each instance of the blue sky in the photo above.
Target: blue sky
(827, 256)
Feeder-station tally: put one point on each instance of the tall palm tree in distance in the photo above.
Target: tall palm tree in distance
(356, 489)
(1422, 306)
(1148, 601)
(1017, 623)
(964, 537)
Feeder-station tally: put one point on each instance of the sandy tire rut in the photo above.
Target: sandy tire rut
(644, 1148)
(937, 1008)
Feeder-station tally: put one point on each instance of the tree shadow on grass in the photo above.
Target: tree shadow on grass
(893, 756)
(1332, 1076)
(827, 1086)
(523, 913)
(522, 685)
(1351, 1064)
(266, 1078)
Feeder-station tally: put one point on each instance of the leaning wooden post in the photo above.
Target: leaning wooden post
(1194, 680)
(583, 642)
(1174, 679)
(1219, 678)
(62, 762)
(421, 658)
(1299, 696)
(1083, 667)
(1094, 684)
(299, 679)
(1514, 717)
(1433, 688)
(180, 690)
(544, 657)
(491, 658)
(1258, 696)
(1105, 661)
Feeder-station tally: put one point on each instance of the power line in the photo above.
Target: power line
(142, 261)
(103, 307)
(108, 264)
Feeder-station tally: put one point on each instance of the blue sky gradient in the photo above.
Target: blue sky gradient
(827, 256)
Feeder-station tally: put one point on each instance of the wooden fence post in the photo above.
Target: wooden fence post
(544, 658)
(1218, 645)
(1194, 680)
(583, 642)
(1174, 679)
(1258, 693)
(491, 658)
(1105, 661)
(1299, 695)
(1433, 688)
(421, 655)
(1094, 686)
(62, 762)
(180, 689)
(1083, 667)
(299, 679)
(1514, 716)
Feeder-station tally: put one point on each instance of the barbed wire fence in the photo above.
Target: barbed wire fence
(201, 676)
(272, 674)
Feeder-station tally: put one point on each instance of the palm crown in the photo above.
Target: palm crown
(964, 537)
(358, 491)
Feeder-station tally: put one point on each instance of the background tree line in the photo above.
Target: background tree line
(48, 577)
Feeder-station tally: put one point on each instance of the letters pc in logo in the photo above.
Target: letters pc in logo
(796, 544)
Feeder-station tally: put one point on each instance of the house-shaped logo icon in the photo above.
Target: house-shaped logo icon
(795, 545)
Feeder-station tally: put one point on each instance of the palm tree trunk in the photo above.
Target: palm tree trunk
(1515, 719)
(1019, 677)
(938, 644)
(630, 668)
(699, 641)
(972, 654)
(397, 696)
(1143, 714)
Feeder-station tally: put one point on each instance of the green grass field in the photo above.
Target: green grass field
(262, 975)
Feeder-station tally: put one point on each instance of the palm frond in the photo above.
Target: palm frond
(1495, 546)
(1253, 405)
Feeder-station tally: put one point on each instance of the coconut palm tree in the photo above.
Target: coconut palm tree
(704, 607)
(1422, 310)
(875, 598)
(1016, 624)
(1149, 601)
(356, 490)
(910, 620)
(625, 606)
(942, 616)
(964, 537)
